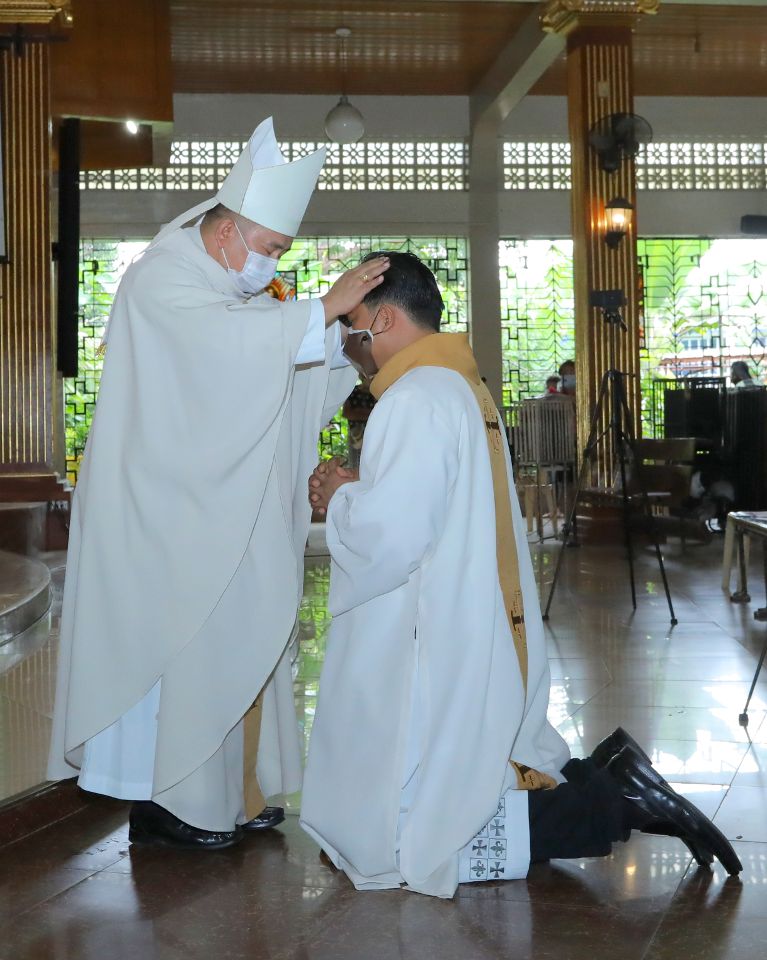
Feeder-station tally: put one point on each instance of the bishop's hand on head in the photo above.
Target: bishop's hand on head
(352, 287)
(328, 476)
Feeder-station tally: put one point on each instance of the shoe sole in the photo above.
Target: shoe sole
(702, 855)
(732, 866)
(260, 829)
(142, 839)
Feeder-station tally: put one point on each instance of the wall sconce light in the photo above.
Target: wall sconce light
(619, 214)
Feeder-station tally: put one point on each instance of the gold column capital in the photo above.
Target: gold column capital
(562, 16)
(36, 11)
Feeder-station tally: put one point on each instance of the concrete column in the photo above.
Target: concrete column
(484, 279)
(523, 60)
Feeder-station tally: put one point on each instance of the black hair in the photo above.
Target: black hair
(410, 285)
(219, 212)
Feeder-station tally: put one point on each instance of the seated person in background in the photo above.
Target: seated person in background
(567, 373)
(431, 760)
(552, 387)
(712, 493)
(740, 376)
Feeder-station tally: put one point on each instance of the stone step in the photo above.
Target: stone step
(23, 527)
(25, 594)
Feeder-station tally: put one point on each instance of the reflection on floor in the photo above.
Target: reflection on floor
(27, 679)
(78, 891)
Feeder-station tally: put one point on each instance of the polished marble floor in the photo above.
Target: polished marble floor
(77, 890)
(27, 683)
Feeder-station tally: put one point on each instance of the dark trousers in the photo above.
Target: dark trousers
(580, 818)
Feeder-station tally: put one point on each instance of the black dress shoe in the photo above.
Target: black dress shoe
(611, 746)
(153, 825)
(669, 813)
(268, 818)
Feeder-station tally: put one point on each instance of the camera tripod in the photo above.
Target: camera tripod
(620, 429)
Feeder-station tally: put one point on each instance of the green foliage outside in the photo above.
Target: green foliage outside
(537, 313)
(311, 266)
(705, 292)
(709, 290)
(102, 263)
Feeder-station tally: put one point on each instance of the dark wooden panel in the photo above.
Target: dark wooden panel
(107, 146)
(115, 62)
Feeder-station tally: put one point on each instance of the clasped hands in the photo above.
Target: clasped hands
(328, 476)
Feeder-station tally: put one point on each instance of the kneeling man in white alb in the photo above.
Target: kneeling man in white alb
(431, 761)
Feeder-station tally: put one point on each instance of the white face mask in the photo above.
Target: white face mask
(358, 350)
(257, 272)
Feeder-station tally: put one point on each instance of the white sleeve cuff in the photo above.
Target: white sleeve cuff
(312, 349)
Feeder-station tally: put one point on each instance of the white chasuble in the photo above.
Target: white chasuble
(185, 561)
(422, 701)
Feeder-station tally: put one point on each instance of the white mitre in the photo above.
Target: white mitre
(266, 189)
(262, 186)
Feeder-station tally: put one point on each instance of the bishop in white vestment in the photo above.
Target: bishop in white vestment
(189, 522)
(431, 761)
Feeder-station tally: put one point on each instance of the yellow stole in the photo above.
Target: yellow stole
(452, 351)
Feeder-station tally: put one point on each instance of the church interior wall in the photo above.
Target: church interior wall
(399, 118)
(523, 213)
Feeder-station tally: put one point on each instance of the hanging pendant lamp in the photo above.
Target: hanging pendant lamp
(344, 123)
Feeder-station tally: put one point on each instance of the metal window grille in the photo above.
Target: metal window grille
(537, 313)
(399, 165)
(659, 166)
(705, 305)
(310, 267)
(442, 165)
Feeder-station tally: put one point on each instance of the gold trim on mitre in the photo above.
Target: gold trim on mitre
(561, 16)
(35, 11)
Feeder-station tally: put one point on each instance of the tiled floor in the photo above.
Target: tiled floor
(79, 891)
(27, 683)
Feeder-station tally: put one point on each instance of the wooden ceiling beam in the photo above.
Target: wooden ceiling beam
(518, 67)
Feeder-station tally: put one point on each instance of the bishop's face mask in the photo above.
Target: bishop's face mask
(257, 272)
(358, 350)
